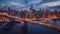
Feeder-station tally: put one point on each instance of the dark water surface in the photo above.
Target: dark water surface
(32, 29)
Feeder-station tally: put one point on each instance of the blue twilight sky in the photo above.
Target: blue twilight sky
(25, 4)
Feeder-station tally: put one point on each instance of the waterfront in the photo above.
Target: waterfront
(31, 26)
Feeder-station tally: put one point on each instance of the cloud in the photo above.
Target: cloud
(16, 4)
(51, 4)
(34, 2)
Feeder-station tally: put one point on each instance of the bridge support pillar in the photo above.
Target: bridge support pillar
(24, 27)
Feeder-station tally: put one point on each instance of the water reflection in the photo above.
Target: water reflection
(35, 29)
(24, 28)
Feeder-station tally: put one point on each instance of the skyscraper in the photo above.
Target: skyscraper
(9, 10)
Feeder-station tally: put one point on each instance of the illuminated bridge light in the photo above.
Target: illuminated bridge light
(22, 22)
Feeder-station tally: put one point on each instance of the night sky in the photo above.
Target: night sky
(25, 4)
